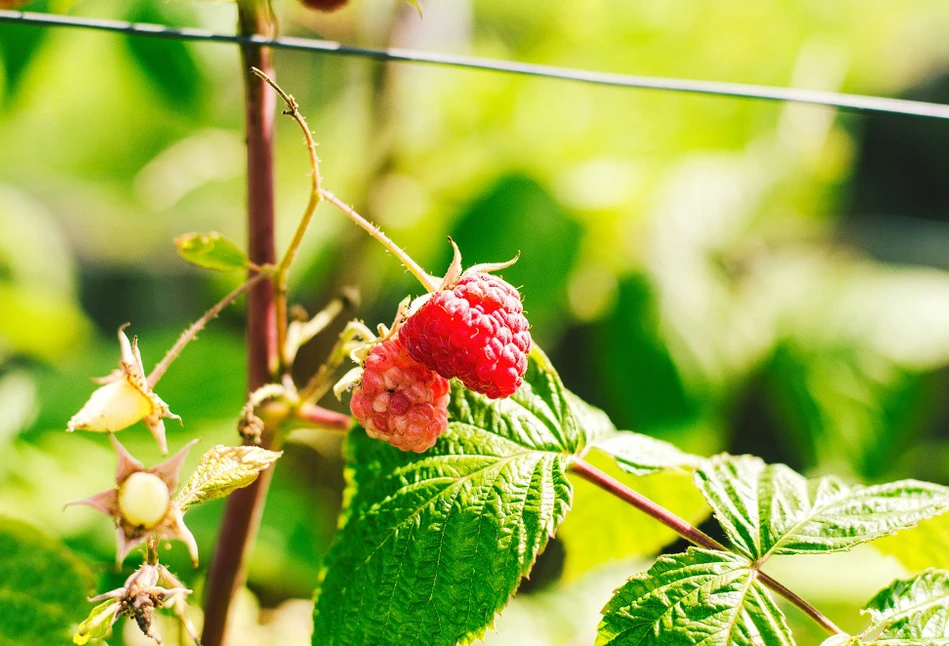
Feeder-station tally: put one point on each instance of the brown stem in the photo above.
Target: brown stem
(245, 506)
(690, 533)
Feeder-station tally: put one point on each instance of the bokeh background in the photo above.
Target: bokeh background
(729, 275)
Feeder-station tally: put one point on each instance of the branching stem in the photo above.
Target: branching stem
(282, 272)
(191, 333)
(690, 533)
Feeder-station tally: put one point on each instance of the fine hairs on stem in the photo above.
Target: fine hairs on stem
(319, 193)
(191, 333)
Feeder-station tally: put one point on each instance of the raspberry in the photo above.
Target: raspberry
(399, 400)
(475, 331)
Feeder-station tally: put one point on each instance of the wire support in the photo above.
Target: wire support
(847, 102)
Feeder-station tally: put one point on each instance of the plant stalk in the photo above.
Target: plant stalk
(690, 533)
(245, 506)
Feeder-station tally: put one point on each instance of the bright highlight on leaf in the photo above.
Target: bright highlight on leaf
(641, 455)
(699, 597)
(436, 543)
(211, 251)
(222, 470)
(770, 509)
(98, 624)
(912, 611)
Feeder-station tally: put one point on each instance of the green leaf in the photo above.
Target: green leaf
(98, 624)
(43, 587)
(211, 251)
(593, 421)
(911, 612)
(699, 597)
(19, 44)
(641, 455)
(924, 546)
(601, 528)
(434, 544)
(168, 64)
(222, 470)
(770, 509)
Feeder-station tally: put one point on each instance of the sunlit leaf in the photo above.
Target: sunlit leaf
(601, 528)
(770, 509)
(98, 624)
(924, 546)
(699, 597)
(211, 251)
(435, 543)
(222, 470)
(911, 612)
(640, 454)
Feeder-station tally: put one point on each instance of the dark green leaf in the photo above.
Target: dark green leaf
(699, 597)
(434, 544)
(43, 587)
(18, 45)
(211, 251)
(168, 64)
(770, 509)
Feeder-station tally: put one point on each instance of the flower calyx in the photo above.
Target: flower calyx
(124, 398)
(149, 588)
(141, 503)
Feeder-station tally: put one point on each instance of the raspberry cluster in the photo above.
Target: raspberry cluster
(475, 331)
(399, 400)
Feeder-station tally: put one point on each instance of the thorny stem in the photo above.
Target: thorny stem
(283, 268)
(245, 506)
(690, 533)
(191, 333)
(430, 283)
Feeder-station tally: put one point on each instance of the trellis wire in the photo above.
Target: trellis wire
(850, 102)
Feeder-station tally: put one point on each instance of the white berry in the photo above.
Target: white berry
(144, 499)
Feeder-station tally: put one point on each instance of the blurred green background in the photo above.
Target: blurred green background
(728, 275)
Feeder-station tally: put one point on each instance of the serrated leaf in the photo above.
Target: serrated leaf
(911, 612)
(922, 547)
(222, 470)
(699, 597)
(770, 509)
(434, 544)
(211, 251)
(641, 455)
(592, 421)
(97, 625)
(43, 587)
(601, 528)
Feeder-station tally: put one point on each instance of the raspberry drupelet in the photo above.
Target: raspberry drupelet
(475, 331)
(399, 400)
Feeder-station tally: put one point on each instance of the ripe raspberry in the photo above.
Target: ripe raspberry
(399, 400)
(475, 331)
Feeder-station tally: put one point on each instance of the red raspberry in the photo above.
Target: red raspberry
(399, 400)
(475, 331)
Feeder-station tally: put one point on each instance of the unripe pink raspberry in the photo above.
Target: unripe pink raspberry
(399, 400)
(474, 330)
